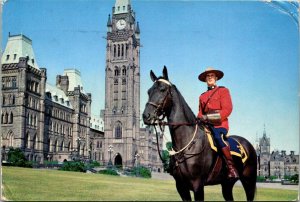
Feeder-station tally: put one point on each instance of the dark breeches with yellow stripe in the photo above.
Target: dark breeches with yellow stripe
(219, 135)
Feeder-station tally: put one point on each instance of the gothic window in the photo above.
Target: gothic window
(2, 118)
(55, 146)
(61, 146)
(116, 82)
(11, 118)
(124, 71)
(98, 145)
(14, 82)
(36, 87)
(13, 99)
(118, 50)
(118, 131)
(28, 141)
(116, 71)
(34, 142)
(126, 49)
(10, 139)
(6, 118)
(3, 82)
(3, 100)
(115, 51)
(122, 49)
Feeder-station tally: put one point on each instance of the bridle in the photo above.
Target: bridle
(160, 108)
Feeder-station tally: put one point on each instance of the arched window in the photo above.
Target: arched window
(118, 50)
(122, 49)
(13, 99)
(116, 82)
(124, 71)
(2, 118)
(28, 141)
(11, 118)
(14, 82)
(6, 117)
(115, 51)
(34, 142)
(55, 146)
(11, 139)
(118, 131)
(116, 71)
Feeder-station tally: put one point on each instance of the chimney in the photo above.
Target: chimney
(62, 82)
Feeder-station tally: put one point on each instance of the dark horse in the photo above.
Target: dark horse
(194, 161)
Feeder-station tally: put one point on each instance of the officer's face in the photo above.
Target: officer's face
(211, 79)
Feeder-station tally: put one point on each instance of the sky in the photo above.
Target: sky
(255, 44)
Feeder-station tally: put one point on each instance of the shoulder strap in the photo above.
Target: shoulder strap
(210, 97)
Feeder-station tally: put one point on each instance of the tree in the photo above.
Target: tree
(16, 157)
(166, 157)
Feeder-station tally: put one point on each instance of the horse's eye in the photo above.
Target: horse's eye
(162, 88)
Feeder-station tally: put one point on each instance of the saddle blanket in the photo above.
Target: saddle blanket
(236, 148)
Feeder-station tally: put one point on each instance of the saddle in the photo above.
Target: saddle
(236, 149)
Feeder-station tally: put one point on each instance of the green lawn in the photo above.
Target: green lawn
(34, 184)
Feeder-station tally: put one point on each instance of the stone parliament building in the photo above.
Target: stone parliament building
(54, 122)
(276, 163)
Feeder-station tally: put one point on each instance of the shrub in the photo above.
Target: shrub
(295, 178)
(76, 166)
(260, 179)
(141, 172)
(108, 172)
(16, 157)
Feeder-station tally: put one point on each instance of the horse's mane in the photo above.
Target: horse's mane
(188, 113)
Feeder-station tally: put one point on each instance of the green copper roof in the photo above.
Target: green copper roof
(19, 46)
(121, 6)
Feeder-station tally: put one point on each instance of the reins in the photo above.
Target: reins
(160, 108)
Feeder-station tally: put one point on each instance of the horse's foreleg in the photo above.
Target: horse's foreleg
(183, 191)
(199, 193)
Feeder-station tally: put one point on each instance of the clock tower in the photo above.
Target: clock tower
(122, 86)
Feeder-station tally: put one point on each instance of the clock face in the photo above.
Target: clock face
(121, 24)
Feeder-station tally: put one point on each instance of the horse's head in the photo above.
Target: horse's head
(160, 98)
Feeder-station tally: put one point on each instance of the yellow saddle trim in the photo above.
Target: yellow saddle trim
(243, 153)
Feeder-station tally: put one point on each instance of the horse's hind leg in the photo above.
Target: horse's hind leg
(249, 185)
(227, 190)
(183, 191)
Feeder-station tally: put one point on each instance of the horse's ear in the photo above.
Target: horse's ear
(165, 73)
(153, 77)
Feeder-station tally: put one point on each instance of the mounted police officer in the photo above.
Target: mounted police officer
(215, 106)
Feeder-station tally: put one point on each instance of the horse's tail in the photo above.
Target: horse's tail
(249, 172)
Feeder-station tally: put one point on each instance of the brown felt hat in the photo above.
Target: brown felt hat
(202, 76)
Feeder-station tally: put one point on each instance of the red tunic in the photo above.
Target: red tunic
(219, 102)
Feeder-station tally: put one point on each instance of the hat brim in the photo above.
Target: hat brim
(219, 74)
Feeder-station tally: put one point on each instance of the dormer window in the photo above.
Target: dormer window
(123, 8)
(32, 60)
(118, 8)
(68, 103)
(15, 56)
(55, 97)
(7, 57)
(62, 100)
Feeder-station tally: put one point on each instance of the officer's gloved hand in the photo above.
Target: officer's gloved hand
(202, 119)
